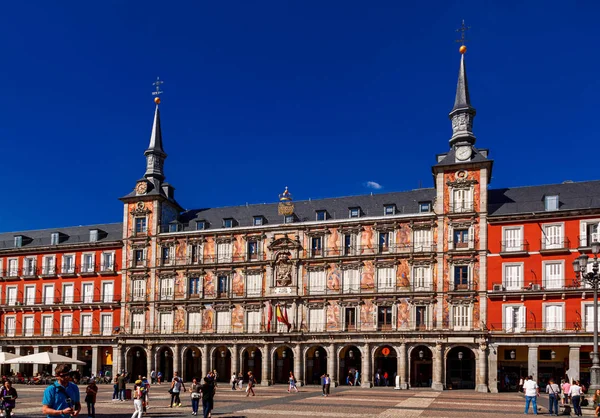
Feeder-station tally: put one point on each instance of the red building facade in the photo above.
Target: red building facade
(60, 292)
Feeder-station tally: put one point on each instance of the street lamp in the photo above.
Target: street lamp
(317, 354)
(193, 353)
(592, 277)
(351, 354)
(138, 354)
(460, 357)
(513, 355)
(421, 354)
(553, 354)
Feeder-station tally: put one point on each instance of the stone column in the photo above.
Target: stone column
(367, 376)
(482, 368)
(204, 360)
(493, 368)
(177, 359)
(54, 350)
(331, 365)
(149, 358)
(117, 365)
(532, 361)
(298, 369)
(402, 367)
(16, 367)
(95, 368)
(235, 361)
(37, 368)
(438, 364)
(74, 355)
(574, 362)
(266, 366)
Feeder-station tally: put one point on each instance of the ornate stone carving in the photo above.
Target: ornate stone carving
(378, 263)
(194, 308)
(136, 310)
(351, 266)
(285, 243)
(317, 267)
(462, 123)
(140, 210)
(166, 309)
(283, 269)
(167, 275)
(253, 307)
(222, 308)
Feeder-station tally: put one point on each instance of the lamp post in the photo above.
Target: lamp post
(460, 357)
(592, 277)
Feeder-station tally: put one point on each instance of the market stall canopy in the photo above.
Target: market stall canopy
(45, 357)
(5, 356)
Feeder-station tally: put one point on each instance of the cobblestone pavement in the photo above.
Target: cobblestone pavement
(274, 401)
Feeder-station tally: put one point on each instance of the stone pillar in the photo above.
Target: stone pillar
(16, 367)
(331, 365)
(402, 367)
(74, 355)
(177, 359)
(117, 365)
(493, 368)
(532, 361)
(37, 368)
(266, 366)
(95, 368)
(482, 369)
(54, 350)
(298, 369)
(204, 361)
(235, 361)
(367, 375)
(149, 358)
(573, 371)
(438, 365)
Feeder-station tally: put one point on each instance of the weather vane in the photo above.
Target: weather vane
(463, 29)
(157, 91)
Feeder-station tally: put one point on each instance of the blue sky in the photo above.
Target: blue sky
(320, 96)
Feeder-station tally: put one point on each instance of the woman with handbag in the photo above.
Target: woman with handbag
(8, 394)
(137, 400)
(90, 398)
(195, 395)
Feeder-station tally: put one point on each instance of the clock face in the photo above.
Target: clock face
(463, 153)
(141, 187)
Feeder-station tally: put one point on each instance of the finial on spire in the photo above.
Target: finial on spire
(463, 30)
(157, 91)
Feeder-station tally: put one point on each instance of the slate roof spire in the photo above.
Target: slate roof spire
(462, 113)
(155, 154)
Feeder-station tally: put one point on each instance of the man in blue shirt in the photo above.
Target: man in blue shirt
(61, 399)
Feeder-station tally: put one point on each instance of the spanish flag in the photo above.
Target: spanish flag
(282, 316)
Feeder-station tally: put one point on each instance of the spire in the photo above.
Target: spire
(155, 155)
(156, 135)
(462, 113)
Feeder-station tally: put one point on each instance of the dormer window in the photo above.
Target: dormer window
(389, 210)
(354, 212)
(321, 215)
(174, 226)
(289, 219)
(200, 225)
(551, 202)
(18, 241)
(228, 223)
(258, 220)
(54, 238)
(93, 235)
(424, 207)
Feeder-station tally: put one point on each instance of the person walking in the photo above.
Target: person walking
(115, 396)
(596, 401)
(251, 382)
(323, 384)
(521, 381)
(233, 381)
(208, 394)
(159, 377)
(153, 377)
(575, 392)
(8, 394)
(61, 398)
(292, 383)
(195, 394)
(90, 398)
(327, 385)
(121, 386)
(356, 378)
(240, 380)
(138, 409)
(532, 391)
(176, 387)
(553, 392)
(566, 387)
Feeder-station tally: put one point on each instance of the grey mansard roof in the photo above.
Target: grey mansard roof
(71, 235)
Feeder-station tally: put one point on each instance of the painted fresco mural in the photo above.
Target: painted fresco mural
(367, 316)
(333, 242)
(333, 316)
(334, 278)
(403, 275)
(403, 317)
(209, 250)
(179, 320)
(238, 248)
(237, 319)
(367, 280)
(208, 318)
(237, 283)
(209, 285)
(367, 240)
(403, 236)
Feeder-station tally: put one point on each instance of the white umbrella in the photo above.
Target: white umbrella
(45, 357)
(4, 356)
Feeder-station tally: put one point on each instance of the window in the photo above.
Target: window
(30, 295)
(106, 324)
(462, 200)
(48, 294)
(351, 281)
(350, 319)
(316, 246)
(253, 322)
(422, 240)
(86, 324)
(589, 232)
(354, 212)
(194, 323)
(66, 325)
(166, 322)
(11, 296)
(424, 207)
(552, 237)
(316, 320)
(140, 225)
(461, 317)
(47, 326)
(421, 317)
(137, 323)
(321, 215)
(29, 266)
(107, 292)
(54, 238)
(68, 266)
(461, 238)
(138, 258)
(289, 219)
(48, 265)
(223, 322)
(18, 241)
(422, 278)
(228, 223)
(87, 261)
(589, 317)
(551, 202)
(223, 285)
(166, 288)
(87, 292)
(553, 275)
(93, 235)
(513, 276)
(139, 290)
(389, 210)
(28, 324)
(384, 242)
(513, 239)
(349, 244)
(107, 262)
(174, 227)
(553, 317)
(252, 250)
(253, 284)
(165, 255)
(258, 220)
(316, 282)
(461, 277)
(10, 325)
(13, 267)
(200, 225)
(386, 279)
(224, 252)
(67, 295)
(384, 318)
(194, 287)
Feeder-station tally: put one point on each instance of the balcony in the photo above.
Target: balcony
(88, 269)
(68, 270)
(109, 268)
(544, 286)
(462, 207)
(56, 332)
(422, 286)
(585, 242)
(555, 246)
(51, 300)
(514, 248)
(533, 327)
(461, 246)
(29, 272)
(48, 271)
(462, 287)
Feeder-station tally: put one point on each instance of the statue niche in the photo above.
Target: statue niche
(283, 269)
